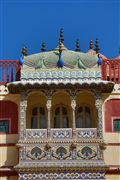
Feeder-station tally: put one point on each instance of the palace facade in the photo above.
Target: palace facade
(60, 115)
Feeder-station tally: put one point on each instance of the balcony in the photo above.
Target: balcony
(111, 70)
(60, 134)
(9, 71)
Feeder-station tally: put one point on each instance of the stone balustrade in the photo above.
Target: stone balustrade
(36, 134)
(60, 133)
(86, 132)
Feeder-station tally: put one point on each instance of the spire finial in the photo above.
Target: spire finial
(97, 46)
(43, 47)
(91, 44)
(77, 45)
(61, 38)
(24, 51)
(60, 46)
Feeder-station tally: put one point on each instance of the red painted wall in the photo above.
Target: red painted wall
(112, 110)
(9, 110)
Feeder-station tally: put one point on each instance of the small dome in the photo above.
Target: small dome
(70, 59)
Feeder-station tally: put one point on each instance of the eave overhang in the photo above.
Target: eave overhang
(84, 84)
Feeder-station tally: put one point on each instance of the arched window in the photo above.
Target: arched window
(61, 117)
(83, 117)
(38, 119)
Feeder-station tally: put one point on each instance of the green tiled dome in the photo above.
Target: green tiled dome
(72, 59)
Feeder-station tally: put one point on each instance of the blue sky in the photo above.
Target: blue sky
(29, 22)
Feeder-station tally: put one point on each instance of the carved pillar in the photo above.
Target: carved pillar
(98, 105)
(22, 118)
(73, 105)
(49, 94)
(49, 104)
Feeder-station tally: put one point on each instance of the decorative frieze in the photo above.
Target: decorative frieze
(63, 175)
(60, 74)
(59, 151)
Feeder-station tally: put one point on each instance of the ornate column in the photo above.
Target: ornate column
(49, 94)
(98, 105)
(72, 94)
(49, 104)
(73, 105)
(22, 117)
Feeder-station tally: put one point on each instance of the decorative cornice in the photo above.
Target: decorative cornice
(103, 86)
(82, 140)
(60, 74)
(61, 166)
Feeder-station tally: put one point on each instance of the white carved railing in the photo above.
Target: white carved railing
(35, 134)
(61, 133)
(86, 132)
